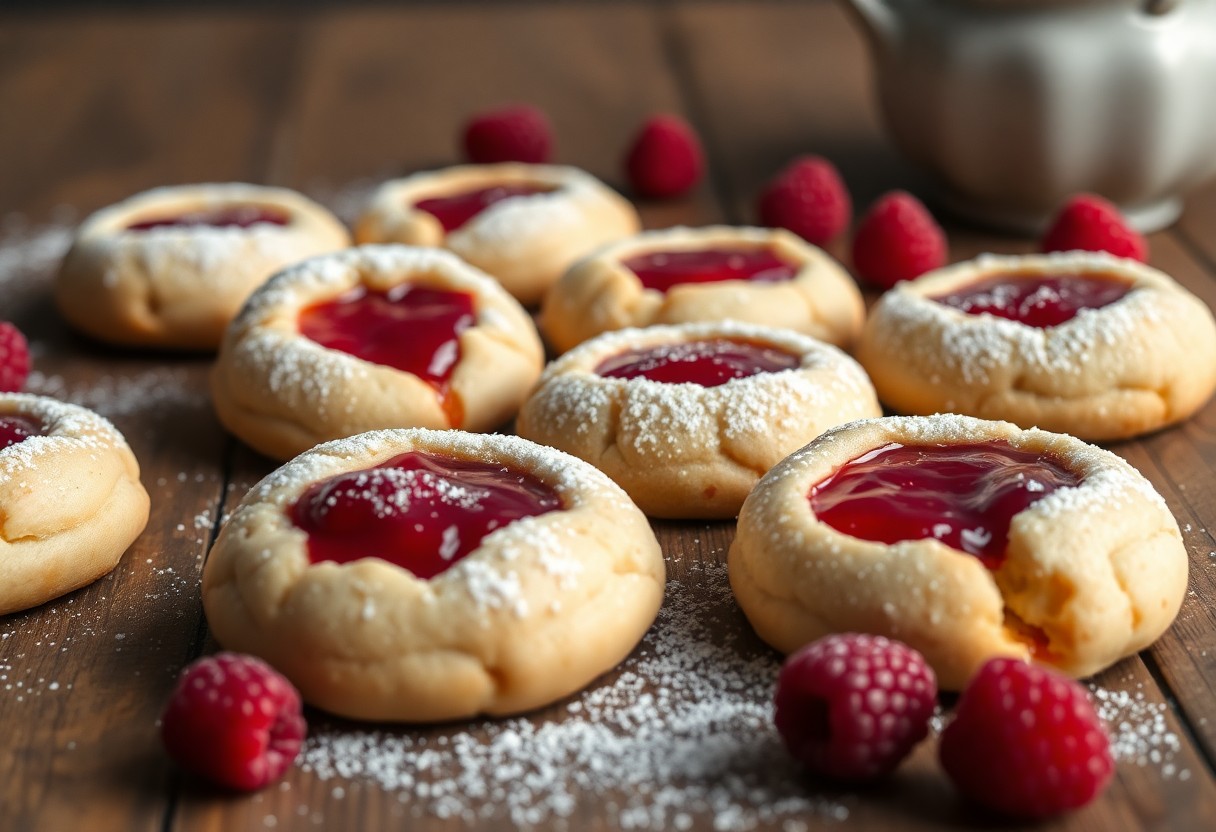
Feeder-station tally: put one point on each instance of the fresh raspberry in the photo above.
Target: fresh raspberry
(665, 159)
(520, 133)
(1090, 223)
(808, 198)
(852, 706)
(1026, 742)
(898, 239)
(234, 720)
(14, 358)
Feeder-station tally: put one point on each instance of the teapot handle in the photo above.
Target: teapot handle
(1158, 8)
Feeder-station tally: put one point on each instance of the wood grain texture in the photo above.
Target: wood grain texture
(95, 109)
(107, 104)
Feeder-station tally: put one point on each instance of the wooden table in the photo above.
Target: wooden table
(96, 106)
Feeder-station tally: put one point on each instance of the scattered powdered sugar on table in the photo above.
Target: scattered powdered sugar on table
(1139, 733)
(685, 730)
(29, 256)
(154, 390)
(348, 200)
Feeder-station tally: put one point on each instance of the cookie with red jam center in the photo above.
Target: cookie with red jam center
(706, 363)
(963, 538)
(171, 267)
(15, 428)
(759, 276)
(374, 337)
(420, 511)
(239, 215)
(1036, 300)
(1076, 342)
(687, 418)
(415, 329)
(71, 501)
(420, 576)
(454, 211)
(965, 495)
(522, 224)
(663, 270)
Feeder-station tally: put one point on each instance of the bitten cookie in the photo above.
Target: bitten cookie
(70, 499)
(522, 224)
(685, 275)
(171, 267)
(373, 337)
(964, 538)
(424, 576)
(687, 418)
(1082, 343)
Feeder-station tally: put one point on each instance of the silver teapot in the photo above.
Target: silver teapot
(1015, 105)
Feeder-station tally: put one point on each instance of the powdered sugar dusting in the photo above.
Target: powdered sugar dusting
(114, 396)
(571, 478)
(1139, 733)
(683, 731)
(975, 348)
(29, 255)
(491, 581)
(657, 420)
(511, 227)
(67, 428)
(297, 379)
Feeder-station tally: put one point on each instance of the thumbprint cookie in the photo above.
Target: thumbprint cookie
(70, 499)
(373, 337)
(522, 224)
(171, 267)
(963, 538)
(421, 576)
(687, 275)
(1077, 342)
(687, 418)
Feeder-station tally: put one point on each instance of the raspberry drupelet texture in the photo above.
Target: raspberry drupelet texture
(1026, 742)
(665, 159)
(234, 720)
(808, 198)
(852, 706)
(897, 239)
(518, 133)
(1090, 223)
(14, 358)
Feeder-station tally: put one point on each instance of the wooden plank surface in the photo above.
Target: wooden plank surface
(95, 109)
(109, 103)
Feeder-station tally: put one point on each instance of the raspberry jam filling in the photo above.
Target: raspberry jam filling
(420, 511)
(708, 363)
(234, 216)
(964, 495)
(661, 270)
(412, 328)
(1044, 301)
(14, 429)
(454, 211)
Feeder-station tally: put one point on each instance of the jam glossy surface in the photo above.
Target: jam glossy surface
(412, 328)
(708, 363)
(1041, 302)
(420, 511)
(963, 495)
(14, 429)
(661, 270)
(455, 210)
(234, 216)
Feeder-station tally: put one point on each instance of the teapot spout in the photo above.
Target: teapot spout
(877, 19)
